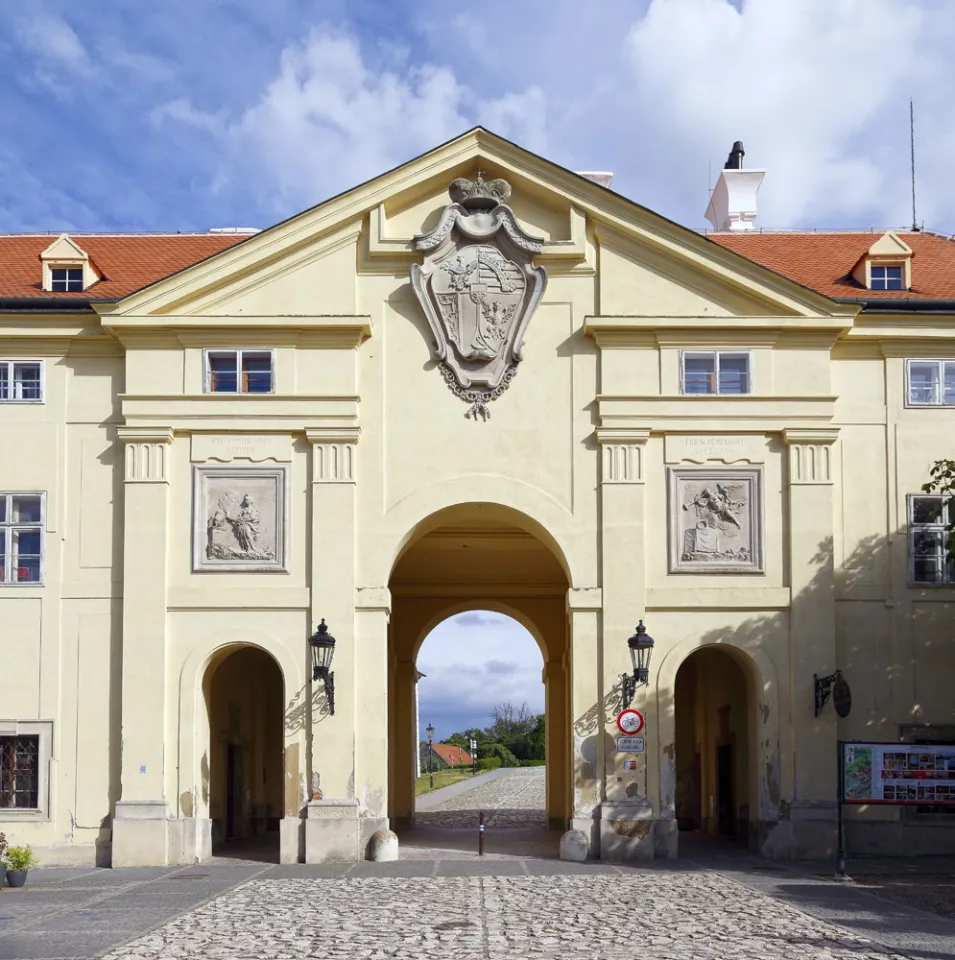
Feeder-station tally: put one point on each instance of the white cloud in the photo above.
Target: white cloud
(816, 89)
(52, 39)
(329, 120)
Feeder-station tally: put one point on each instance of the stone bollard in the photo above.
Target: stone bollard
(573, 845)
(383, 846)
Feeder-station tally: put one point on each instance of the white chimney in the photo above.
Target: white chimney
(733, 201)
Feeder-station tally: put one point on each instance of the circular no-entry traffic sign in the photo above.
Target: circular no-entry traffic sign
(630, 721)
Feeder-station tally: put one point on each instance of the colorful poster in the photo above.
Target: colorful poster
(899, 773)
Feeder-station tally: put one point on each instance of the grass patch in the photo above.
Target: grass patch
(442, 778)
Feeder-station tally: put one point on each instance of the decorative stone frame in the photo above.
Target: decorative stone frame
(677, 479)
(279, 475)
(44, 730)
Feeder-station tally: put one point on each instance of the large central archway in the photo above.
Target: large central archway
(477, 556)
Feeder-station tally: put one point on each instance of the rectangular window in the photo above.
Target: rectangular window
(715, 371)
(887, 278)
(20, 771)
(21, 537)
(21, 381)
(66, 279)
(928, 537)
(238, 371)
(931, 382)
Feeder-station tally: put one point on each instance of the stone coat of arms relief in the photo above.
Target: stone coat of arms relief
(478, 287)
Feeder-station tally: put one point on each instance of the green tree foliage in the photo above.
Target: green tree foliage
(942, 473)
(515, 735)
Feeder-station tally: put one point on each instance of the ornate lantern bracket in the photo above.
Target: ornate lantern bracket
(322, 644)
(641, 648)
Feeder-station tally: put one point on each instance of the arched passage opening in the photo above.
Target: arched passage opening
(244, 694)
(715, 754)
(475, 557)
(480, 674)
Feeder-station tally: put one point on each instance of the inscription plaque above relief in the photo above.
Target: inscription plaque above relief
(749, 448)
(225, 448)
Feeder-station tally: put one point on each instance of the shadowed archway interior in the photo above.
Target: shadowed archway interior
(244, 693)
(714, 754)
(477, 557)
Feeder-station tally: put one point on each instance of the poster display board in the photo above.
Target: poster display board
(898, 773)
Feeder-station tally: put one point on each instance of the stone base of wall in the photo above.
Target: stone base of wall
(333, 832)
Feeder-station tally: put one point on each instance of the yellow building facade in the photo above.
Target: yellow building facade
(197, 472)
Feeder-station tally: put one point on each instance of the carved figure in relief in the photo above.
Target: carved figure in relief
(244, 522)
(721, 532)
(478, 287)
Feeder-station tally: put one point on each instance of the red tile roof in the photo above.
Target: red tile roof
(124, 262)
(453, 756)
(824, 261)
(820, 261)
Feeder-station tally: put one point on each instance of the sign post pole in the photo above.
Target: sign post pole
(841, 843)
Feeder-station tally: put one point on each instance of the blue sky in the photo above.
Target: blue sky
(179, 115)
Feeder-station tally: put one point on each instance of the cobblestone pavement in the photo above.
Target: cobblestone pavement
(513, 800)
(657, 915)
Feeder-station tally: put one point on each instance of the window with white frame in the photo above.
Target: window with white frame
(715, 371)
(21, 537)
(21, 381)
(66, 279)
(239, 371)
(931, 383)
(887, 277)
(928, 539)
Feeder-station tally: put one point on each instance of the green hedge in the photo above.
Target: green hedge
(531, 763)
(489, 763)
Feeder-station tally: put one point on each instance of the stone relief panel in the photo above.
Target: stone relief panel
(715, 518)
(240, 520)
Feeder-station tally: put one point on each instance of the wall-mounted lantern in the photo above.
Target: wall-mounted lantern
(835, 684)
(323, 649)
(641, 647)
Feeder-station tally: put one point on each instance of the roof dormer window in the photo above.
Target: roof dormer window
(67, 267)
(66, 279)
(886, 265)
(887, 277)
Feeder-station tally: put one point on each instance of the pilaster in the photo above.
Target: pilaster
(372, 612)
(626, 784)
(141, 825)
(333, 736)
(812, 638)
(587, 754)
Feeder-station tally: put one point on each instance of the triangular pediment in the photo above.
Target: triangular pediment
(64, 248)
(890, 244)
(310, 263)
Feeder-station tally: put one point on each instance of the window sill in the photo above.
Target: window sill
(32, 403)
(23, 813)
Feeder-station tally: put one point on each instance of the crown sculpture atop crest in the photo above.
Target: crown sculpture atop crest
(478, 287)
(479, 194)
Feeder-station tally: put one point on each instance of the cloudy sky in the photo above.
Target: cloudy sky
(178, 114)
(472, 662)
